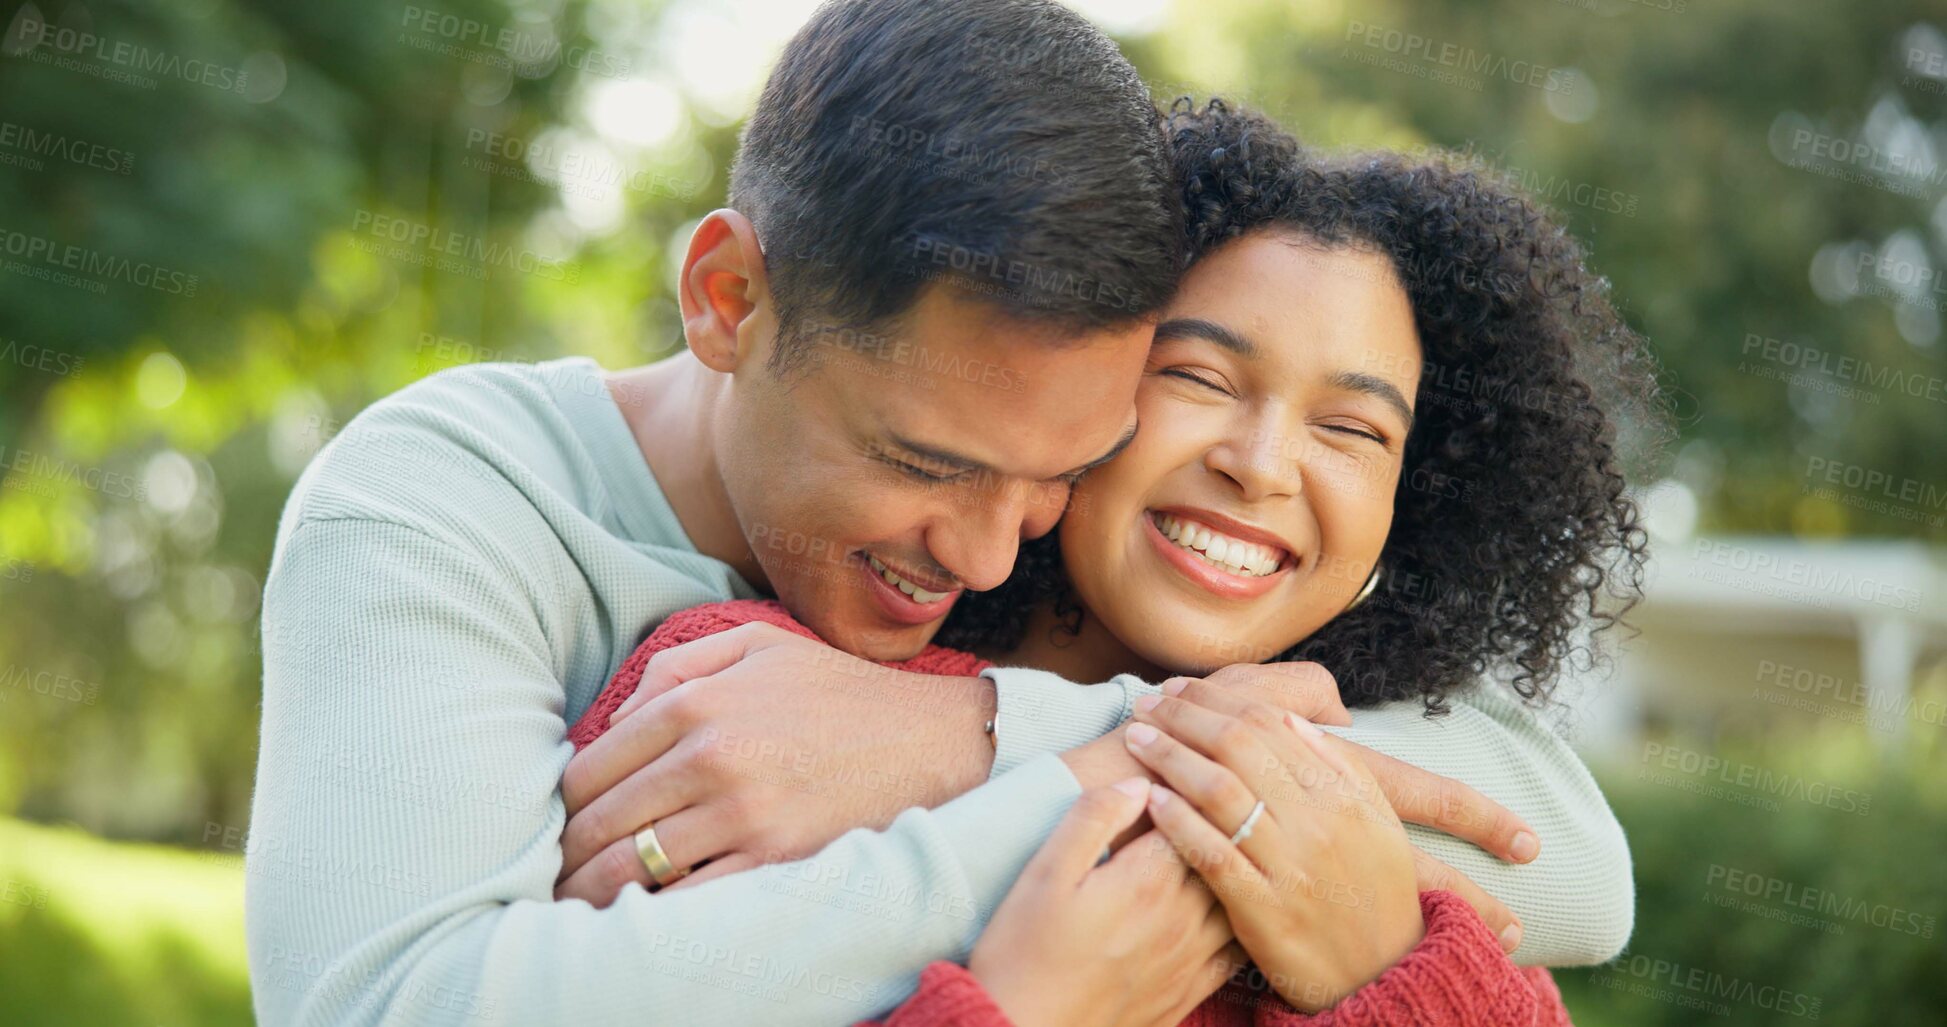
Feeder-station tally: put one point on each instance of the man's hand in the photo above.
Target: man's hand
(756, 745)
(1419, 797)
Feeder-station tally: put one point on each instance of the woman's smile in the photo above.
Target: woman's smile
(1224, 557)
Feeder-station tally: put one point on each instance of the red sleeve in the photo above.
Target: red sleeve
(1457, 977)
(948, 996)
(699, 621)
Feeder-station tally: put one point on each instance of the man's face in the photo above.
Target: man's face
(902, 468)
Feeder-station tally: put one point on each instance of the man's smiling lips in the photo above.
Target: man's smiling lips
(1224, 556)
(899, 598)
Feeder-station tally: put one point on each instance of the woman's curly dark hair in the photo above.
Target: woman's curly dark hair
(1513, 537)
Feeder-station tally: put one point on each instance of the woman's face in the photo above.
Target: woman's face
(1254, 501)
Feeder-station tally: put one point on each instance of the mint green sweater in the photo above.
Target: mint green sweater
(456, 577)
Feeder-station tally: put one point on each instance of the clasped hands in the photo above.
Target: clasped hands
(758, 745)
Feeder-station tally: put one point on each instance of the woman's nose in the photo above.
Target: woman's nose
(1263, 463)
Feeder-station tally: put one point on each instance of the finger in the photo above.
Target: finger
(1219, 968)
(646, 796)
(1433, 875)
(696, 658)
(1233, 741)
(1446, 805)
(1076, 844)
(1215, 792)
(1304, 688)
(1232, 875)
(717, 868)
(630, 745)
(602, 878)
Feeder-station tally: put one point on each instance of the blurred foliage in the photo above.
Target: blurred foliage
(103, 932)
(1877, 878)
(149, 437)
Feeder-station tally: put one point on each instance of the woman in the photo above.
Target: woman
(1378, 430)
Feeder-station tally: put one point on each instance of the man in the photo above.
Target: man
(933, 205)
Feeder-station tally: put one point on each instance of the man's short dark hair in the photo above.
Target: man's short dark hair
(1004, 146)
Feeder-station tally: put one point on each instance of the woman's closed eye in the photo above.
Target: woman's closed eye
(1359, 431)
(1200, 376)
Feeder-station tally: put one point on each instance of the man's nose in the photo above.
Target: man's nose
(978, 545)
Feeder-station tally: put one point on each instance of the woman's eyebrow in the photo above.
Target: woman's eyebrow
(1187, 327)
(1373, 385)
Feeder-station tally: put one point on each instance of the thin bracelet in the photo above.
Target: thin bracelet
(992, 737)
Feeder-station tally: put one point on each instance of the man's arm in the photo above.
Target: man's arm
(1576, 901)
(404, 837)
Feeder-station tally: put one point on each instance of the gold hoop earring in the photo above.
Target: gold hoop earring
(1372, 582)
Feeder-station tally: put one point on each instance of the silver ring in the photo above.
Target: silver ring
(1249, 822)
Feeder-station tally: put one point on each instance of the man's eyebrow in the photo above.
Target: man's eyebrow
(1183, 327)
(1373, 385)
(1114, 451)
(958, 462)
(944, 457)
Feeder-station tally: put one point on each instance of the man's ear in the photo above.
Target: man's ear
(721, 286)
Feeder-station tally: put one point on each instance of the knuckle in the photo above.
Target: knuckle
(616, 868)
(1262, 715)
(1232, 738)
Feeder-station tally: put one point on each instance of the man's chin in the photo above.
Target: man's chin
(881, 643)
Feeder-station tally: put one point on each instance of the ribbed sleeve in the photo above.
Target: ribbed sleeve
(1576, 901)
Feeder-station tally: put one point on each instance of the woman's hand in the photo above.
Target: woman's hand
(1134, 941)
(1321, 890)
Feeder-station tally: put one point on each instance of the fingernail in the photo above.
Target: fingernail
(1302, 726)
(1511, 937)
(1147, 703)
(1175, 686)
(1135, 787)
(1141, 734)
(1524, 847)
(1158, 795)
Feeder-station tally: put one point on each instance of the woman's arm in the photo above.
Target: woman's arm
(1456, 977)
(1576, 901)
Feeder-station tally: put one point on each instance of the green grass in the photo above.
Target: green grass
(93, 931)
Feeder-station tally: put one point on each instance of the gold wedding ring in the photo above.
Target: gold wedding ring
(655, 860)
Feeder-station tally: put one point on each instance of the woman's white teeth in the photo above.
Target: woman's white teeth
(1237, 556)
(916, 593)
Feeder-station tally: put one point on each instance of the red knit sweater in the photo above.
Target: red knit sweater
(1457, 976)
